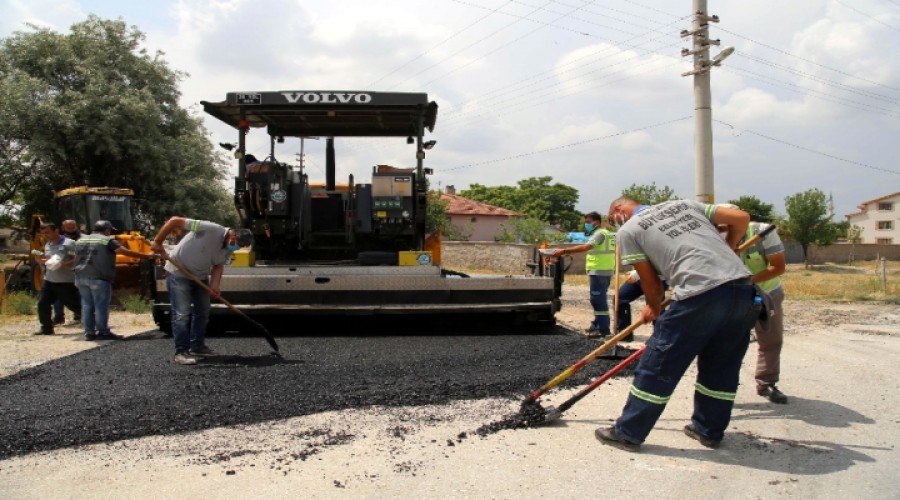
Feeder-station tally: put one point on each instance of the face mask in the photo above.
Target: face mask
(233, 248)
(588, 227)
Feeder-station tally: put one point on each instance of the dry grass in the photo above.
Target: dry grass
(857, 283)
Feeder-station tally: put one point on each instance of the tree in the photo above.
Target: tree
(535, 197)
(808, 221)
(92, 107)
(436, 218)
(649, 194)
(528, 230)
(759, 211)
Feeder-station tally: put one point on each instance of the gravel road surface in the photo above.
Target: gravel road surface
(364, 414)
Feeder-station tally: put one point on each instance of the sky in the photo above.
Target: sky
(590, 93)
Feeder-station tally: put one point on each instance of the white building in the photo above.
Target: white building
(878, 220)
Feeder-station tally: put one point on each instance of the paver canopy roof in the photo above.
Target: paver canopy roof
(308, 113)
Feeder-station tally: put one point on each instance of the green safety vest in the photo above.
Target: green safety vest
(756, 261)
(603, 256)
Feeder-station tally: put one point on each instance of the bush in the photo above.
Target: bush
(135, 304)
(19, 303)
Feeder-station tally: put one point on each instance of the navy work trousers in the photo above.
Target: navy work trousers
(713, 327)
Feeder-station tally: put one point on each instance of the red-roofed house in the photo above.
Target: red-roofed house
(879, 220)
(483, 220)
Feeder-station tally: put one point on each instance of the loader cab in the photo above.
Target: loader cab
(86, 205)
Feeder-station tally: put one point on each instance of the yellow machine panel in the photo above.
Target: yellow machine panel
(243, 258)
(414, 258)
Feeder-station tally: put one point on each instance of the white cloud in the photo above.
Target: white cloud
(817, 78)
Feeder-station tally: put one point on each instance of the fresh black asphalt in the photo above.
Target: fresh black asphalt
(132, 388)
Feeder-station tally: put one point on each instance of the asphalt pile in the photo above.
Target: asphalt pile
(132, 388)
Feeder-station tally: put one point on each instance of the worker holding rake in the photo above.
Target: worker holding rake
(713, 308)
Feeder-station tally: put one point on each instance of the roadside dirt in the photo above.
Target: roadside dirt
(836, 437)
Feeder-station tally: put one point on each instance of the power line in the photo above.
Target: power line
(574, 144)
(812, 93)
(805, 59)
(830, 83)
(867, 15)
(526, 35)
(492, 34)
(809, 150)
(451, 37)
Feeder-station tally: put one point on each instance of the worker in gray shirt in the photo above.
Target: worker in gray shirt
(203, 252)
(712, 311)
(58, 261)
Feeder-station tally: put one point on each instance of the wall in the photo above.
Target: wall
(840, 253)
(484, 228)
(507, 258)
(502, 257)
(511, 258)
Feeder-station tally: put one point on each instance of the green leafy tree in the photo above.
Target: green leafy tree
(649, 194)
(436, 218)
(528, 230)
(808, 221)
(536, 197)
(92, 107)
(759, 211)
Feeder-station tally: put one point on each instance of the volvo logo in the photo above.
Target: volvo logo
(326, 98)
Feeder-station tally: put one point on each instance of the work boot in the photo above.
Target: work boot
(772, 393)
(692, 433)
(109, 336)
(594, 332)
(59, 321)
(183, 358)
(201, 352)
(90, 336)
(608, 435)
(43, 332)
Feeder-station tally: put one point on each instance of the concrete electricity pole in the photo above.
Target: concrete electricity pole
(703, 156)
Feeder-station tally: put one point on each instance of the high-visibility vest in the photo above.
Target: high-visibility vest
(755, 258)
(603, 256)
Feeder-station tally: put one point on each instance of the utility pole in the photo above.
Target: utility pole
(703, 156)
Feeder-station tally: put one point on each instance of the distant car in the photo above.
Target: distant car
(576, 237)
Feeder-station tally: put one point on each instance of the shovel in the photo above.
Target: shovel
(268, 335)
(554, 413)
(568, 372)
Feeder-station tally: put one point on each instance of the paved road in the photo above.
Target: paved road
(836, 439)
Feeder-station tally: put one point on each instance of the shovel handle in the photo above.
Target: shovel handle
(568, 372)
(204, 286)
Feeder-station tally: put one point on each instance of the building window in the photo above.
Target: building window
(884, 241)
(885, 206)
(885, 224)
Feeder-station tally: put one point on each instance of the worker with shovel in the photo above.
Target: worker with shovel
(766, 261)
(712, 311)
(200, 255)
